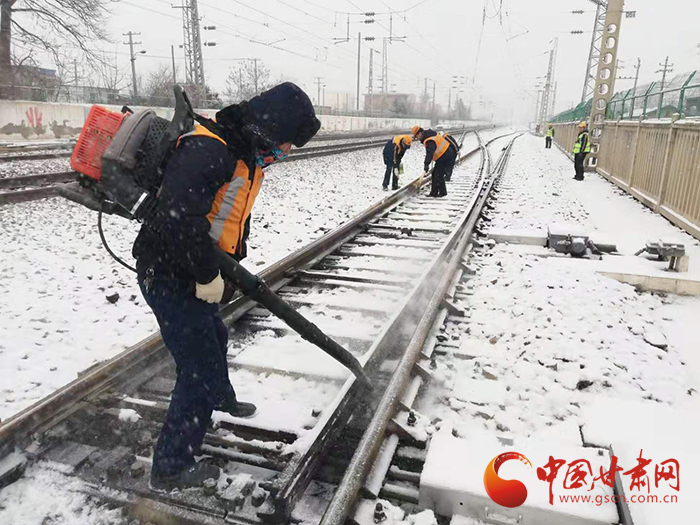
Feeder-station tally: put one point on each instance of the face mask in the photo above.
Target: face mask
(264, 158)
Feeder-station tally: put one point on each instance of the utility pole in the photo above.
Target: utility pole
(318, 86)
(370, 87)
(131, 44)
(75, 72)
(546, 96)
(434, 116)
(636, 81)
(385, 66)
(665, 68)
(255, 73)
(359, 49)
(194, 64)
(172, 52)
(605, 76)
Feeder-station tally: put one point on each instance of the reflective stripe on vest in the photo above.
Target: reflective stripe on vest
(579, 140)
(550, 132)
(233, 202)
(232, 206)
(441, 145)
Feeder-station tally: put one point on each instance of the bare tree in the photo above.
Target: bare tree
(46, 24)
(246, 81)
(158, 87)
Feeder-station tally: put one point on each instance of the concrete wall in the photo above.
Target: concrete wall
(24, 120)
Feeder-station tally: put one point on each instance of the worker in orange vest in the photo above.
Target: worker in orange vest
(442, 149)
(394, 150)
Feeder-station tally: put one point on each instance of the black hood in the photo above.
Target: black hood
(281, 114)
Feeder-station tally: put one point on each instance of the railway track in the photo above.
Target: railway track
(368, 284)
(23, 188)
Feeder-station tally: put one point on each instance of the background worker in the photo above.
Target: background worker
(394, 150)
(209, 186)
(582, 147)
(443, 150)
(548, 137)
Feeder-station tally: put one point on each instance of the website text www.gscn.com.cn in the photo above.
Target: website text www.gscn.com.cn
(601, 499)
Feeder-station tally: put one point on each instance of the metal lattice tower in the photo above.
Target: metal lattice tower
(549, 85)
(194, 64)
(594, 53)
(605, 75)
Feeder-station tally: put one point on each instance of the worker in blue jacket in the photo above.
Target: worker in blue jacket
(209, 186)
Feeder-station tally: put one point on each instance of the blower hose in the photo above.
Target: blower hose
(104, 241)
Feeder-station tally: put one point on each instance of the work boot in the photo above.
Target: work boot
(385, 188)
(192, 477)
(237, 408)
(394, 187)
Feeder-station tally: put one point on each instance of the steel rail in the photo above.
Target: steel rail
(288, 487)
(41, 156)
(20, 426)
(363, 459)
(295, 478)
(51, 179)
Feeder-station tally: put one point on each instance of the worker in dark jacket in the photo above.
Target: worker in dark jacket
(442, 149)
(209, 187)
(582, 147)
(394, 150)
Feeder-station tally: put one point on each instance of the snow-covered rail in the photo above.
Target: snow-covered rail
(367, 283)
(32, 187)
(390, 434)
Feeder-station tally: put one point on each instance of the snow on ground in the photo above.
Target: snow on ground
(55, 277)
(22, 168)
(546, 338)
(47, 496)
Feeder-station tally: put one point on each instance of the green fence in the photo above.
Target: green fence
(679, 95)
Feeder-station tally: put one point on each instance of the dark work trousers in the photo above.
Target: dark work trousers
(443, 168)
(197, 338)
(579, 159)
(389, 162)
(548, 142)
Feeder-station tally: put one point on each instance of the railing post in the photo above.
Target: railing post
(646, 99)
(681, 98)
(633, 164)
(670, 144)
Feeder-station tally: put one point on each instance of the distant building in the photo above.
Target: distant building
(338, 101)
(395, 103)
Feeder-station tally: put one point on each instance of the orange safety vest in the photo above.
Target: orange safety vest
(399, 138)
(441, 145)
(233, 202)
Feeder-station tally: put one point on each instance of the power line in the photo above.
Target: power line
(304, 12)
(280, 20)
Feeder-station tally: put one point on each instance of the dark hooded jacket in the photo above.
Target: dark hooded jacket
(175, 242)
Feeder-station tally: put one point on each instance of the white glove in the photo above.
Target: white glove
(419, 182)
(211, 292)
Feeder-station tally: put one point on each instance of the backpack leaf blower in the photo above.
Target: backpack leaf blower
(121, 159)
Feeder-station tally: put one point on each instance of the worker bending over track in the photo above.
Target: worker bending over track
(441, 148)
(209, 186)
(394, 151)
(582, 147)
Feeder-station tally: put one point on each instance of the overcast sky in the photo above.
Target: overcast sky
(441, 41)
